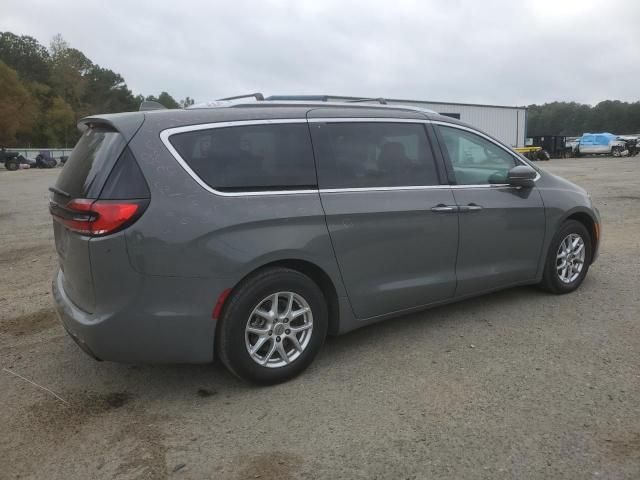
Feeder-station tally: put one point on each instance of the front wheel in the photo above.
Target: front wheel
(568, 259)
(272, 326)
(616, 151)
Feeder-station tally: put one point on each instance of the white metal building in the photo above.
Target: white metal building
(508, 124)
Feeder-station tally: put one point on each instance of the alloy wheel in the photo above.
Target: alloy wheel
(279, 329)
(570, 258)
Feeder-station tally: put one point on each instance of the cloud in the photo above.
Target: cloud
(502, 52)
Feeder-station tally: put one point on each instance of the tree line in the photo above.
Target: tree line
(574, 119)
(45, 91)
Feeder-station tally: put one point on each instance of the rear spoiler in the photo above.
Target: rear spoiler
(126, 123)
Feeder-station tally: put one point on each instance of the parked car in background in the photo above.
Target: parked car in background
(632, 143)
(253, 230)
(601, 144)
(45, 160)
(571, 144)
(9, 159)
(15, 160)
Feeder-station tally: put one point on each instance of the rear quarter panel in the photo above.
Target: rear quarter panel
(188, 231)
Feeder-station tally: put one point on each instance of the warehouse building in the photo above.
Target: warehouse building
(508, 124)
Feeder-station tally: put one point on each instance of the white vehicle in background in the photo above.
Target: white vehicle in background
(571, 144)
(601, 144)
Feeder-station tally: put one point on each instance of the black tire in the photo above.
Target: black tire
(551, 281)
(230, 338)
(11, 164)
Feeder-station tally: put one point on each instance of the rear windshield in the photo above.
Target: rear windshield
(90, 162)
(250, 158)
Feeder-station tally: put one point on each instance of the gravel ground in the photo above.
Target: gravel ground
(518, 384)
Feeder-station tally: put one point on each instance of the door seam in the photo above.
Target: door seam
(326, 225)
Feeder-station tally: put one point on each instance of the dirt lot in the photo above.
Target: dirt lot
(518, 384)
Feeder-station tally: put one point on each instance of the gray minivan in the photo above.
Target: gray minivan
(251, 230)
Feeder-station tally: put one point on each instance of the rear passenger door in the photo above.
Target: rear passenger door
(392, 220)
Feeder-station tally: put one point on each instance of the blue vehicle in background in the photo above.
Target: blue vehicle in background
(601, 144)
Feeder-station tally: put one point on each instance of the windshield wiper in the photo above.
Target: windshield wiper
(59, 192)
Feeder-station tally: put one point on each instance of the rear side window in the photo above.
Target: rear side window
(250, 158)
(90, 162)
(373, 154)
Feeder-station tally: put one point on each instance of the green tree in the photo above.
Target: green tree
(26, 56)
(17, 108)
(37, 135)
(570, 118)
(106, 91)
(60, 124)
(164, 99)
(69, 68)
(43, 93)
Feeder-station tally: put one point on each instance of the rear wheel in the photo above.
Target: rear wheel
(568, 258)
(11, 164)
(272, 326)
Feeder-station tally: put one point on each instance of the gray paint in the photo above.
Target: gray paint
(151, 289)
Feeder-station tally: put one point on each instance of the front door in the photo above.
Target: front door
(391, 218)
(501, 227)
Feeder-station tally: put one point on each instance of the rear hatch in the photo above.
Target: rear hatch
(99, 191)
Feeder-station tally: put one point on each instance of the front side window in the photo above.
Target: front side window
(373, 154)
(475, 160)
(250, 158)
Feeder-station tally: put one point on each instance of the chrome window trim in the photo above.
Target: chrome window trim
(383, 189)
(416, 187)
(367, 120)
(167, 133)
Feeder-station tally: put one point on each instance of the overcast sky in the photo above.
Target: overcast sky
(503, 52)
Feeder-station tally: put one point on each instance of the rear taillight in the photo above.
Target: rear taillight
(97, 217)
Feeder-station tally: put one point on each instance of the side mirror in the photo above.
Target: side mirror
(521, 176)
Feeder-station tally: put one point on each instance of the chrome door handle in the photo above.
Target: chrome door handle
(472, 207)
(441, 208)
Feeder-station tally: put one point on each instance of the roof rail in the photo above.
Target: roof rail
(299, 98)
(258, 96)
(379, 100)
(151, 105)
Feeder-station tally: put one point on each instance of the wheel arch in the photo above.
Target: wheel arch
(319, 276)
(590, 224)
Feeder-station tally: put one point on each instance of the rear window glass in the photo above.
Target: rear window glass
(370, 155)
(90, 162)
(250, 158)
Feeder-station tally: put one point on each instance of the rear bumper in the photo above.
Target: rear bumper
(136, 335)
